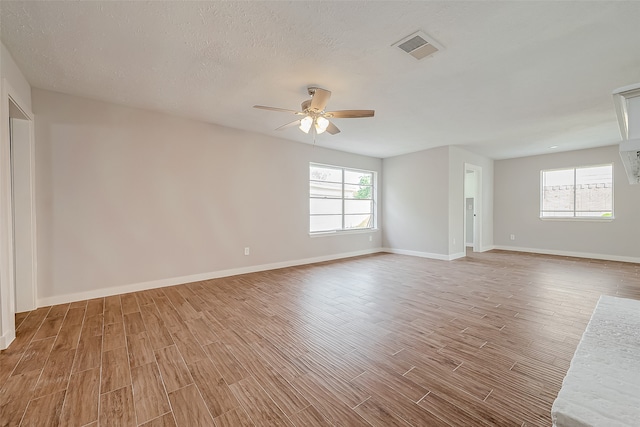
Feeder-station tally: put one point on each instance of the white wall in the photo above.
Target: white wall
(517, 209)
(129, 198)
(424, 202)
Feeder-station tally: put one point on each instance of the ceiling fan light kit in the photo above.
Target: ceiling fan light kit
(321, 124)
(315, 115)
(305, 124)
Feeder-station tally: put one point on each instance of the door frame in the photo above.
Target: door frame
(477, 206)
(11, 104)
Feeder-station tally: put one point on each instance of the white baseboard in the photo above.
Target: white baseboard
(482, 249)
(135, 287)
(440, 257)
(7, 339)
(605, 257)
(116, 290)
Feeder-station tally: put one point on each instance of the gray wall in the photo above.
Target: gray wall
(127, 196)
(416, 199)
(423, 211)
(517, 209)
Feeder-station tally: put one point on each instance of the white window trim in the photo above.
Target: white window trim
(374, 199)
(578, 218)
(343, 232)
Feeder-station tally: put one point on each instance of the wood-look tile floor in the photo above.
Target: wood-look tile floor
(382, 340)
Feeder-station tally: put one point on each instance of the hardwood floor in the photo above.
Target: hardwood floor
(382, 340)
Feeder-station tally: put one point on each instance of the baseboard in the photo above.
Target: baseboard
(7, 339)
(605, 257)
(482, 249)
(135, 287)
(440, 257)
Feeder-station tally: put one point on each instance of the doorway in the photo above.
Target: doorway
(469, 213)
(473, 207)
(22, 193)
(17, 212)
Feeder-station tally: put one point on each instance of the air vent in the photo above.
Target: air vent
(627, 103)
(630, 154)
(418, 45)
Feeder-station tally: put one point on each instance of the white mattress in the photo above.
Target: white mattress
(602, 386)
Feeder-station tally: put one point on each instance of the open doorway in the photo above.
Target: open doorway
(22, 196)
(17, 212)
(473, 207)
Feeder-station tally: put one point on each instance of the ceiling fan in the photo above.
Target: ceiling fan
(314, 114)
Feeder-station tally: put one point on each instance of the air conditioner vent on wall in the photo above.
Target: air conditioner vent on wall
(418, 45)
(630, 155)
(627, 102)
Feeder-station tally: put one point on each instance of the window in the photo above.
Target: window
(584, 192)
(340, 199)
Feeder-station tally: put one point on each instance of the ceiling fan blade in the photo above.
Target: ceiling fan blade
(350, 114)
(283, 110)
(289, 125)
(332, 129)
(319, 99)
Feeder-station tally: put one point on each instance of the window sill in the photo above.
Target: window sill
(343, 232)
(607, 219)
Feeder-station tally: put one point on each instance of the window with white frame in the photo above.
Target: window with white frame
(581, 192)
(340, 198)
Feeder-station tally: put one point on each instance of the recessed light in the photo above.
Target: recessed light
(553, 147)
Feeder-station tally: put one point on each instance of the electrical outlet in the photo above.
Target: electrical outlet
(371, 238)
(246, 251)
(454, 240)
(512, 237)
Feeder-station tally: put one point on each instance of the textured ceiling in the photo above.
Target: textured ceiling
(513, 79)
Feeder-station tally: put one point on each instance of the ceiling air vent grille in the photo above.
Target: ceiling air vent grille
(418, 45)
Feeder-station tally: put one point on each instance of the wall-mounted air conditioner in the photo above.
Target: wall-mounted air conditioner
(627, 102)
(630, 154)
